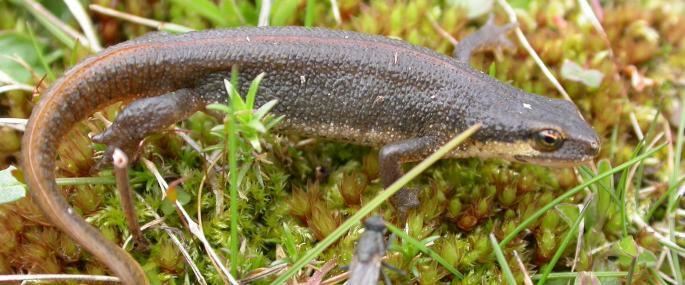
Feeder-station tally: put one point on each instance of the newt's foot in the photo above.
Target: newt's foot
(494, 36)
(488, 37)
(145, 116)
(404, 200)
(126, 144)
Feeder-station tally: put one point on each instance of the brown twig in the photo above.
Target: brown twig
(120, 162)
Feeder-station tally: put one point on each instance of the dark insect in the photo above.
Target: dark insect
(367, 261)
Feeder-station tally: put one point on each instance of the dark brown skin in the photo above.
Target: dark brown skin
(342, 86)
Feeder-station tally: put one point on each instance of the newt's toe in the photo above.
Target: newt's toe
(405, 200)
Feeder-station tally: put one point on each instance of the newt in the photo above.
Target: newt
(338, 85)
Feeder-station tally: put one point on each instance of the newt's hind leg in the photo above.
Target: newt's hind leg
(490, 36)
(146, 116)
(131, 126)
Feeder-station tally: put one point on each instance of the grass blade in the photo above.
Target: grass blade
(233, 177)
(63, 32)
(575, 191)
(86, 24)
(162, 26)
(574, 275)
(309, 16)
(39, 53)
(564, 243)
(508, 275)
(674, 196)
(205, 8)
(264, 13)
(400, 233)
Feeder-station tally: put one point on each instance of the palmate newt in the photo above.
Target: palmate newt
(338, 85)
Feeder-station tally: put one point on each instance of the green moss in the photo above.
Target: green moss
(297, 192)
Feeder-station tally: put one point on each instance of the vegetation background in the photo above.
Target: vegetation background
(621, 62)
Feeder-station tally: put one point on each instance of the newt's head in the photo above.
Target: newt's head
(529, 128)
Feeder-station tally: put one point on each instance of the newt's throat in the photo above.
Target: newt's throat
(519, 151)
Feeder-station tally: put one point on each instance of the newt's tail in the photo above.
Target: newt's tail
(74, 97)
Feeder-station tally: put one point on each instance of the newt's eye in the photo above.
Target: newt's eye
(548, 140)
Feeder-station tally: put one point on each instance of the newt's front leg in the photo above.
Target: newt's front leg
(390, 160)
(393, 155)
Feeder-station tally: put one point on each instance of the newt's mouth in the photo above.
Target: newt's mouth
(554, 162)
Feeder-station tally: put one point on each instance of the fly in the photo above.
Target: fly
(368, 257)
